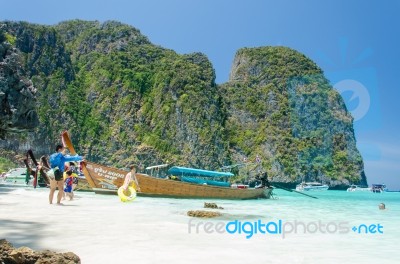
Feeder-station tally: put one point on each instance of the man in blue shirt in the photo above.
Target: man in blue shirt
(57, 161)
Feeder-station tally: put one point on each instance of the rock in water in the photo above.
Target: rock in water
(203, 214)
(212, 206)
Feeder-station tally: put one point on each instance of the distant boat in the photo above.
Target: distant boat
(25, 177)
(16, 178)
(311, 186)
(378, 188)
(356, 188)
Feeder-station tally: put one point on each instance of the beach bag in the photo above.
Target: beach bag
(52, 173)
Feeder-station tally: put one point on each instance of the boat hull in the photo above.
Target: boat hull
(108, 180)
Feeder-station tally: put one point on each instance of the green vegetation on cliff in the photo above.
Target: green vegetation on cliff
(126, 100)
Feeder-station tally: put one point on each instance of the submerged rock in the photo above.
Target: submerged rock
(212, 206)
(200, 213)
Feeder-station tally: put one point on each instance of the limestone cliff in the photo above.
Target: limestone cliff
(126, 100)
(17, 94)
(283, 109)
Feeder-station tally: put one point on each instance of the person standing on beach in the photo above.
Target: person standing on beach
(57, 161)
(43, 167)
(264, 180)
(131, 176)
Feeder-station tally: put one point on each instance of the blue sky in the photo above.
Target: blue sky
(356, 43)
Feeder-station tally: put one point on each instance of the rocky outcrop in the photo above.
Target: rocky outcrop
(25, 255)
(17, 93)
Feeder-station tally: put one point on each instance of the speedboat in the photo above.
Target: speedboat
(356, 188)
(311, 186)
(378, 188)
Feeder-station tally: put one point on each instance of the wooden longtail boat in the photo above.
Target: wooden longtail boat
(105, 179)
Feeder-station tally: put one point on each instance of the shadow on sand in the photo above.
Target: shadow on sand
(21, 233)
(4, 190)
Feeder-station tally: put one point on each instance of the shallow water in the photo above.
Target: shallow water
(100, 229)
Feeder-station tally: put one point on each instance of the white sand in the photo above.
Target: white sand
(100, 229)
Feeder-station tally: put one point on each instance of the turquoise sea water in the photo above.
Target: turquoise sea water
(158, 230)
(358, 232)
(355, 208)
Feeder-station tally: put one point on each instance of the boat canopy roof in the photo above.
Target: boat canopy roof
(312, 183)
(157, 166)
(197, 172)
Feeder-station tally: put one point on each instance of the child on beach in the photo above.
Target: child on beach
(69, 179)
(74, 169)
